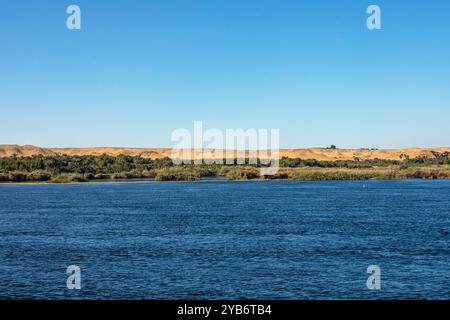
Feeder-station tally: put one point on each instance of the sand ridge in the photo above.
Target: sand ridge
(7, 150)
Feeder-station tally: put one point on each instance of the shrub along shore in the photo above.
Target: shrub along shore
(67, 169)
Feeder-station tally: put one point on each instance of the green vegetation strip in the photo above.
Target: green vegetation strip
(67, 169)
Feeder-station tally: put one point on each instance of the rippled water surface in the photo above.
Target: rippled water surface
(226, 240)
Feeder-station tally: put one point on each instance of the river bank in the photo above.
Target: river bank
(77, 169)
(242, 173)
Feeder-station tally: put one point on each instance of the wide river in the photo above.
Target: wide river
(226, 240)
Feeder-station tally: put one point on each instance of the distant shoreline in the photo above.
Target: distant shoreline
(151, 181)
(69, 169)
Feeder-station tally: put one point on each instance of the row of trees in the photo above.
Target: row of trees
(437, 158)
(105, 164)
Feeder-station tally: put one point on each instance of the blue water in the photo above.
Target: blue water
(226, 240)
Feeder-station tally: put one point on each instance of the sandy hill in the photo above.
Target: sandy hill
(311, 153)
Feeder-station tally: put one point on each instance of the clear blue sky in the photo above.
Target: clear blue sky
(137, 70)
